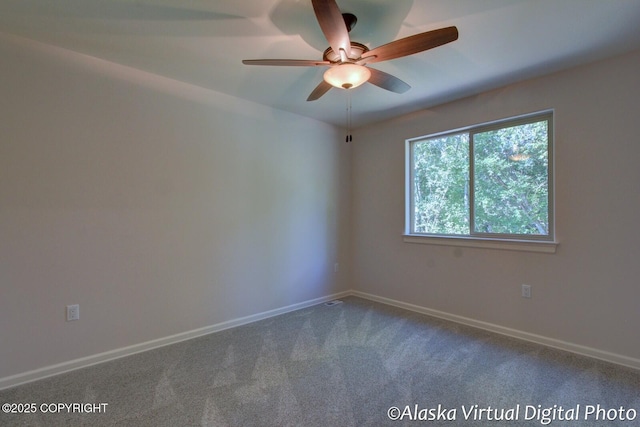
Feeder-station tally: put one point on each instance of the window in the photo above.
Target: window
(493, 181)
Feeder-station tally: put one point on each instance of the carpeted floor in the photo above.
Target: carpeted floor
(358, 363)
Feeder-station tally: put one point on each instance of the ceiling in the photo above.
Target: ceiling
(202, 43)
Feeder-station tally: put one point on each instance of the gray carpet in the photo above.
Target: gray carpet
(341, 365)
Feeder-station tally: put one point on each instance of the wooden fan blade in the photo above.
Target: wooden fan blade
(332, 24)
(410, 45)
(320, 90)
(285, 62)
(387, 81)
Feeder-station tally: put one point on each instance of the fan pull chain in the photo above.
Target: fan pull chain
(349, 137)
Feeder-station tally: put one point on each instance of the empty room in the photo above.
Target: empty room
(319, 212)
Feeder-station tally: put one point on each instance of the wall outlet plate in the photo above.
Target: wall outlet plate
(526, 291)
(73, 312)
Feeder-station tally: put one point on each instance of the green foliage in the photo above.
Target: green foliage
(441, 182)
(510, 182)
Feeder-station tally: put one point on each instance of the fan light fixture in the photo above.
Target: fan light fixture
(347, 76)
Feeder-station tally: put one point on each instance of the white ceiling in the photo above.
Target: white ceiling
(202, 42)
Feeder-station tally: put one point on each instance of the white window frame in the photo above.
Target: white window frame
(532, 243)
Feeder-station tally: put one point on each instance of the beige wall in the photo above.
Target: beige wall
(162, 208)
(587, 293)
(158, 207)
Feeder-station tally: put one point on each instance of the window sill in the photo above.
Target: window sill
(475, 242)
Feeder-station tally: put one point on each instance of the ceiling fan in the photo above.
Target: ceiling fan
(347, 60)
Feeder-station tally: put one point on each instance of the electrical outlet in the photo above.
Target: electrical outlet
(73, 312)
(526, 291)
(336, 267)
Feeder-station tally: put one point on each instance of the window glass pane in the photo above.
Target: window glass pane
(511, 180)
(441, 185)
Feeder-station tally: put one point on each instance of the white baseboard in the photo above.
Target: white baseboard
(606, 356)
(84, 362)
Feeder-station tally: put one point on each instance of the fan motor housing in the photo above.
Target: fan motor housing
(357, 50)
